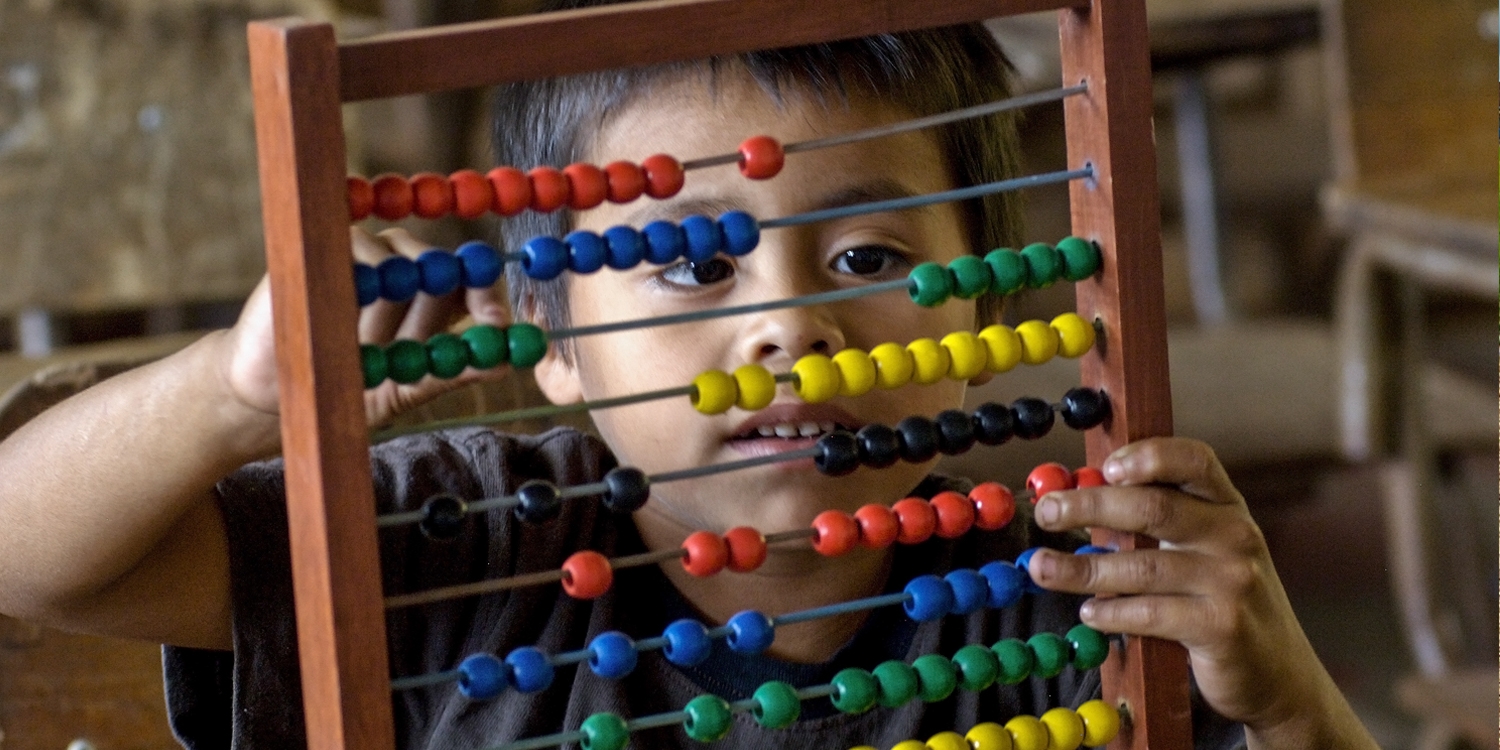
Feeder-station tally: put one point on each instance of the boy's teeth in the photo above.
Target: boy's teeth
(809, 429)
(784, 430)
(766, 430)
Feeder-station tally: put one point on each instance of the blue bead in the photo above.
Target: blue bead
(1090, 549)
(703, 238)
(366, 284)
(481, 677)
(530, 670)
(1006, 583)
(441, 272)
(481, 264)
(612, 655)
(930, 597)
(970, 590)
(399, 278)
(586, 251)
(687, 643)
(1022, 562)
(750, 632)
(665, 242)
(544, 258)
(741, 232)
(626, 247)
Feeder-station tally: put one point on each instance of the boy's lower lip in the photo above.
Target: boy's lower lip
(755, 447)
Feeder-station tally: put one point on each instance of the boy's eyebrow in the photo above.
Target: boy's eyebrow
(882, 189)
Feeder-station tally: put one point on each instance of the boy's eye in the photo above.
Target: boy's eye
(869, 260)
(710, 271)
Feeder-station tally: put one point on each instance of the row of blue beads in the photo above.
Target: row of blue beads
(696, 238)
(475, 265)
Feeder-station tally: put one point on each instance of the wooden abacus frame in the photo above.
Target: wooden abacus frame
(300, 77)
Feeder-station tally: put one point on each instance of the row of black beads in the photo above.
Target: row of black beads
(537, 501)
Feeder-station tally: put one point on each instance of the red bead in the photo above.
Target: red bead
(1088, 476)
(761, 157)
(877, 526)
(955, 514)
(707, 553)
(994, 506)
(747, 548)
(549, 189)
(512, 190)
(432, 195)
(472, 194)
(1049, 477)
(916, 518)
(664, 176)
(361, 198)
(626, 181)
(834, 533)
(587, 575)
(393, 197)
(587, 186)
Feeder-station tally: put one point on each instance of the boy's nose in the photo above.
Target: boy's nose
(790, 334)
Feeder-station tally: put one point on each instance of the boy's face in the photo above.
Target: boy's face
(687, 120)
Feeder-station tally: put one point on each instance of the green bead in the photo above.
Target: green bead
(977, 667)
(407, 360)
(1043, 265)
(527, 344)
(603, 731)
(1008, 270)
(1051, 653)
(854, 691)
(372, 360)
(707, 718)
(931, 284)
(1089, 647)
(448, 355)
(1080, 258)
(776, 705)
(896, 682)
(1016, 660)
(936, 677)
(487, 346)
(971, 277)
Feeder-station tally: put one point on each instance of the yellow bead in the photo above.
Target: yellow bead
(1003, 347)
(947, 741)
(988, 736)
(1101, 722)
(909, 745)
(1064, 728)
(967, 356)
(893, 365)
(1038, 342)
(715, 392)
(1027, 733)
(856, 372)
(931, 361)
(817, 379)
(757, 387)
(1075, 335)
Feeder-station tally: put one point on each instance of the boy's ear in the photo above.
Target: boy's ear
(557, 376)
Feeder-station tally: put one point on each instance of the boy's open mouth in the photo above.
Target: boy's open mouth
(790, 430)
(789, 426)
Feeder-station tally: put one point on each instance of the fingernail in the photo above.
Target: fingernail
(1086, 611)
(1114, 469)
(1048, 510)
(1042, 564)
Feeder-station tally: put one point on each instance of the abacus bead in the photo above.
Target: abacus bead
(706, 554)
(977, 667)
(1101, 722)
(879, 446)
(512, 190)
(539, 501)
(756, 387)
(1075, 336)
(1051, 653)
(665, 242)
(928, 598)
(586, 251)
(776, 705)
(750, 632)
(441, 272)
(1002, 347)
(1031, 418)
(856, 372)
(1027, 733)
(687, 643)
(955, 432)
(955, 514)
(406, 360)
(480, 264)
(587, 186)
(373, 362)
(918, 437)
(993, 424)
(664, 176)
(761, 157)
(834, 533)
(1043, 265)
(527, 344)
(817, 379)
(708, 718)
(1016, 660)
(1049, 477)
(530, 670)
(931, 361)
(988, 736)
(587, 575)
(877, 525)
(947, 741)
(854, 691)
(393, 197)
(895, 683)
(740, 232)
(612, 655)
(714, 392)
(604, 731)
(1006, 583)
(626, 489)
(1008, 270)
(838, 454)
(1039, 342)
(1088, 476)
(400, 280)
(366, 284)
(1084, 408)
(1064, 728)
(994, 505)
(704, 240)
(970, 590)
(624, 247)
(967, 355)
(893, 365)
(544, 258)
(442, 517)
(1023, 561)
(549, 189)
(1080, 258)
(472, 194)
(487, 346)
(1091, 549)
(481, 677)
(447, 355)
(625, 181)
(916, 520)
(909, 745)
(432, 195)
(1088, 646)
(936, 677)
(931, 284)
(746, 547)
(361, 197)
(971, 277)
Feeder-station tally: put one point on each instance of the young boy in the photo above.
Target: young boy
(126, 510)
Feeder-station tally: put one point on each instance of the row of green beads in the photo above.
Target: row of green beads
(446, 355)
(1004, 271)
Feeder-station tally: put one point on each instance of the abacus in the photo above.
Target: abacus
(301, 76)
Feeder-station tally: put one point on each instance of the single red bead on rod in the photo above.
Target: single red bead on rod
(587, 575)
(361, 198)
(834, 533)
(994, 506)
(707, 553)
(877, 526)
(664, 176)
(747, 548)
(626, 181)
(955, 514)
(393, 197)
(587, 186)
(549, 189)
(432, 195)
(512, 190)
(916, 520)
(1049, 477)
(761, 157)
(1088, 476)
(472, 194)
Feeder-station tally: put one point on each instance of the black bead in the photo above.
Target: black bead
(992, 424)
(918, 437)
(1032, 417)
(955, 432)
(878, 446)
(628, 489)
(442, 517)
(540, 501)
(1083, 408)
(838, 453)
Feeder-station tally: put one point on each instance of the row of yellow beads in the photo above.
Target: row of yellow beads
(1094, 724)
(853, 372)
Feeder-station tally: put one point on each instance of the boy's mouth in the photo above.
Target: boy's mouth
(785, 427)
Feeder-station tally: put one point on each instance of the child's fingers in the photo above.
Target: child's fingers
(378, 320)
(1184, 619)
(1153, 571)
(1181, 462)
(425, 315)
(488, 305)
(1165, 513)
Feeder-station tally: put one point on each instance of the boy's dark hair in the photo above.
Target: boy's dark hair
(547, 122)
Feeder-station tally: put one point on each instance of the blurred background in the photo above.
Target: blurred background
(1329, 208)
